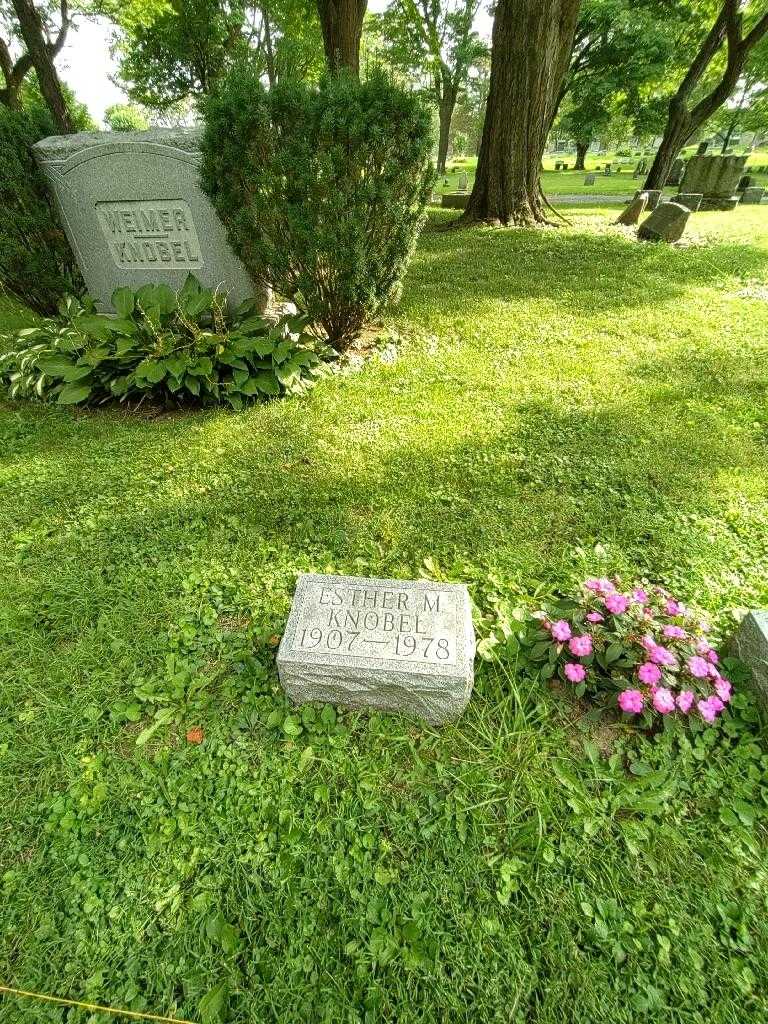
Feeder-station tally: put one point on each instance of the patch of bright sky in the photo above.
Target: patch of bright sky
(87, 66)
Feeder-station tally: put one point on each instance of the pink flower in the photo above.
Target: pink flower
(631, 701)
(713, 671)
(662, 656)
(663, 701)
(685, 701)
(710, 708)
(649, 673)
(606, 586)
(575, 673)
(581, 646)
(712, 657)
(617, 604)
(704, 627)
(698, 667)
(673, 608)
(702, 647)
(595, 617)
(724, 690)
(593, 584)
(640, 595)
(674, 632)
(561, 631)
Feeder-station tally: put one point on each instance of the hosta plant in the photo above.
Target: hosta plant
(638, 649)
(163, 345)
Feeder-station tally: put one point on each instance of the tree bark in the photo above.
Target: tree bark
(41, 56)
(14, 72)
(531, 48)
(342, 25)
(581, 152)
(683, 121)
(445, 108)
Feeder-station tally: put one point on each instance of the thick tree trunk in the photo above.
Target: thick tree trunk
(445, 109)
(676, 134)
(531, 47)
(39, 52)
(581, 152)
(342, 25)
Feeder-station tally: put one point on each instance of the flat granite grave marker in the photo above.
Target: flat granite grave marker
(134, 213)
(405, 646)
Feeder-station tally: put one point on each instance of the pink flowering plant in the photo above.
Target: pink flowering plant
(639, 649)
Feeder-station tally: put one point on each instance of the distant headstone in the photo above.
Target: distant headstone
(666, 223)
(641, 168)
(631, 215)
(607, 169)
(590, 179)
(690, 199)
(134, 213)
(676, 172)
(653, 194)
(716, 177)
(745, 181)
(397, 645)
(702, 148)
(455, 200)
(750, 645)
(463, 181)
(752, 196)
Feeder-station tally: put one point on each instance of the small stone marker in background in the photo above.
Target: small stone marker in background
(676, 173)
(455, 200)
(702, 148)
(590, 179)
(463, 181)
(690, 199)
(666, 223)
(607, 169)
(745, 181)
(406, 646)
(752, 196)
(134, 213)
(631, 215)
(750, 645)
(653, 194)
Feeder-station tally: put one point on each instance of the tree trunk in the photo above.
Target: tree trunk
(342, 25)
(39, 52)
(676, 134)
(445, 108)
(531, 47)
(581, 152)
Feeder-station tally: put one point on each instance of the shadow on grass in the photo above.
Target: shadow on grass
(583, 272)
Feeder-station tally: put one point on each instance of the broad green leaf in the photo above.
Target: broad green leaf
(192, 384)
(77, 373)
(151, 370)
(214, 1003)
(123, 301)
(266, 383)
(55, 365)
(71, 394)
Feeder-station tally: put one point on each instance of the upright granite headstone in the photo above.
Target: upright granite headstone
(752, 196)
(590, 179)
(676, 173)
(397, 645)
(653, 194)
(631, 215)
(716, 177)
(134, 213)
(463, 181)
(455, 200)
(750, 645)
(666, 223)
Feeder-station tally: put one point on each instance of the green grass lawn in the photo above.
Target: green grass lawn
(563, 401)
(571, 182)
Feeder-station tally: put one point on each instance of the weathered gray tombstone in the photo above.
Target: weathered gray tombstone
(666, 223)
(752, 196)
(134, 213)
(676, 173)
(607, 169)
(716, 177)
(405, 646)
(463, 181)
(653, 194)
(455, 200)
(590, 179)
(750, 645)
(690, 199)
(744, 182)
(631, 215)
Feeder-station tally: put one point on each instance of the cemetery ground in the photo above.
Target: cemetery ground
(563, 402)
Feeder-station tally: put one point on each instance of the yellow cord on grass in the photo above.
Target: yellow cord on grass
(91, 1006)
